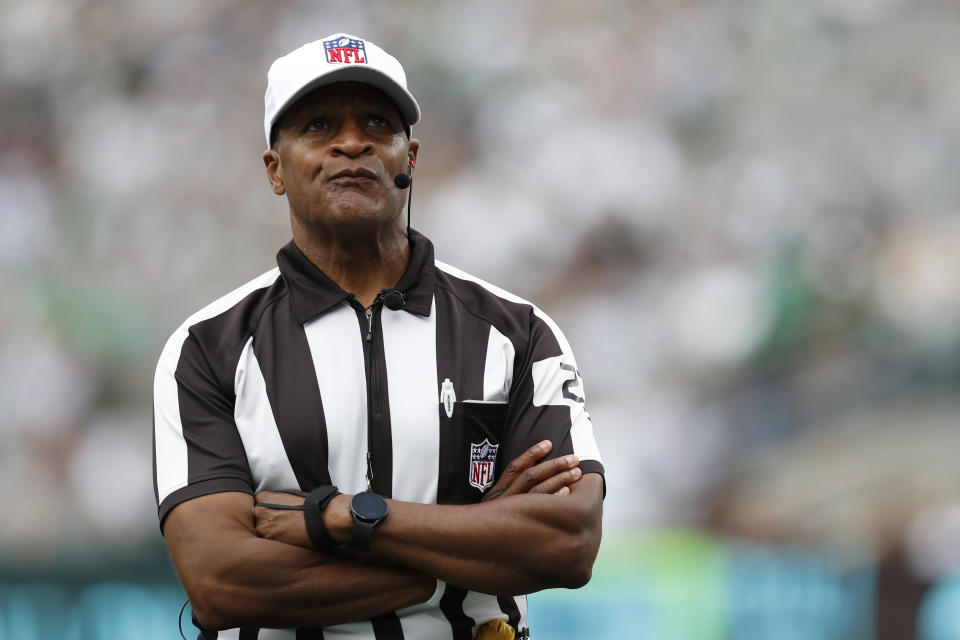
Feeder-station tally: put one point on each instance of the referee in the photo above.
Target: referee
(365, 442)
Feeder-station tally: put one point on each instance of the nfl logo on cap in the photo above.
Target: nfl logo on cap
(483, 458)
(339, 57)
(345, 50)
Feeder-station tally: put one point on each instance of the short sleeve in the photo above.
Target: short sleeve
(197, 448)
(547, 399)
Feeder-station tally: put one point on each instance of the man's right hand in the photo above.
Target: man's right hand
(524, 475)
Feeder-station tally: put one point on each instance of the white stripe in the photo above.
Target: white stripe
(349, 631)
(424, 624)
(522, 606)
(274, 634)
(410, 347)
(269, 464)
(168, 427)
(335, 345)
(498, 370)
(581, 436)
(548, 381)
(482, 608)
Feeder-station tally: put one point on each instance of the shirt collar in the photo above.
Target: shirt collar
(312, 292)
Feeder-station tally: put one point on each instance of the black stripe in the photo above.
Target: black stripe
(451, 604)
(508, 604)
(461, 346)
(309, 634)
(461, 343)
(281, 347)
(461, 356)
(545, 344)
(528, 423)
(510, 318)
(591, 466)
(379, 430)
(387, 627)
(532, 424)
(214, 448)
(249, 633)
(594, 466)
(205, 397)
(202, 488)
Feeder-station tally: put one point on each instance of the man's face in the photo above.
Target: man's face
(337, 151)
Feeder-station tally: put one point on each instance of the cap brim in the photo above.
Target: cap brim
(409, 109)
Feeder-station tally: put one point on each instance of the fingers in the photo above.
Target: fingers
(526, 474)
(526, 460)
(553, 474)
(556, 483)
(516, 467)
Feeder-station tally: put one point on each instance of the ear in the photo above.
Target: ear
(271, 160)
(412, 153)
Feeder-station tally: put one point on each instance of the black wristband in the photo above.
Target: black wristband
(313, 507)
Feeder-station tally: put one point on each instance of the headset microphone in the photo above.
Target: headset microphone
(402, 180)
(405, 181)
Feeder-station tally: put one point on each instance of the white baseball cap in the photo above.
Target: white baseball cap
(339, 57)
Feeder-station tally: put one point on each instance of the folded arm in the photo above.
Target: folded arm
(542, 531)
(515, 545)
(235, 578)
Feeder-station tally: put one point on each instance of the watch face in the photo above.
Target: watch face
(369, 506)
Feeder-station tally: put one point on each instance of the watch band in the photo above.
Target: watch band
(313, 506)
(361, 534)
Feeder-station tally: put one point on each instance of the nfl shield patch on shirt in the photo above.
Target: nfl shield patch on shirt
(483, 459)
(345, 50)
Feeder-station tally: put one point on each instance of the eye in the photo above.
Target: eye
(318, 124)
(379, 121)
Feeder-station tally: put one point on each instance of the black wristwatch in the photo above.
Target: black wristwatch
(369, 510)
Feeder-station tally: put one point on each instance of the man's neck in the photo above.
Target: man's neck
(364, 264)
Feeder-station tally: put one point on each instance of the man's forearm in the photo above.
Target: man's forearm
(518, 544)
(275, 585)
(237, 579)
(542, 529)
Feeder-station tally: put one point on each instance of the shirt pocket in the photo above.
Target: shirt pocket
(470, 450)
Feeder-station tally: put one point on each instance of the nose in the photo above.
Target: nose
(350, 140)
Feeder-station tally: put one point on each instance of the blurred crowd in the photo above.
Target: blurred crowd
(743, 214)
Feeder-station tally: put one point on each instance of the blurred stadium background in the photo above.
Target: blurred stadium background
(742, 214)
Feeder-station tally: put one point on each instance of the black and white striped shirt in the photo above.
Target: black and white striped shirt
(278, 384)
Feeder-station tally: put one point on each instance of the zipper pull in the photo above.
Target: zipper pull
(369, 471)
(447, 396)
(369, 312)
